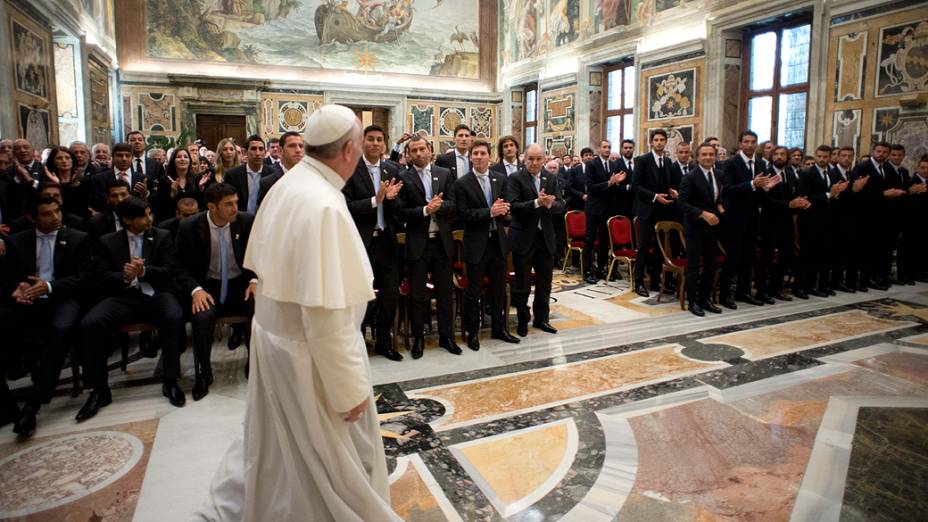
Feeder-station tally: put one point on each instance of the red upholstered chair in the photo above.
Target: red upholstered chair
(575, 222)
(672, 245)
(621, 245)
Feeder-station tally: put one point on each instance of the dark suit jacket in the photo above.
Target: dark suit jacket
(696, 196)
(576, 187)
(358, 193)
(871, 196)
(677, 171)
(193, 248)
(10, 205)
(268, 162)
(600, 199)
(741, 201)
(153, 169)
(102, 178)
(171, 225)
(521, 194)
(102, 223)
(474, 213)
(157, 251)
(265, 185)
(71, 221)
(500, 168)
(648, 181)
(813, 187)
(409, 207)
(776, 203)
(72, 260)
(449, 161)
(238, 178)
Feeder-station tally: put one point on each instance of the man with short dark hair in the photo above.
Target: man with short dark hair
(913, 249)
(121, 170)
(273, 153)
(211, 249)
(52, 190)
(185, 208)
(604, 179)
(842, 241)
(816, 186)
(149, 169)
(456, 160)
(654, 198)
(247, 178)
(135, 269)
(575, 191)
(291, 153)
(49, 265)
(106, 221)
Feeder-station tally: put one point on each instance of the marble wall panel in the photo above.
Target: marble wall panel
(852, 58)
(286, 112)
(558, 115)
(100, 122)
(435, 120)
(33, 97)
(902, 59)
(846, 128)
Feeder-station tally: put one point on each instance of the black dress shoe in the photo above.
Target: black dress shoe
(782, 297)
(389, 353)
(473, 341)
(506, 337)
(727, 303)
(591, 279)
(709, 307)
(817, 293)
(827, 290)
(764, 298)
(172, 391)
(418, 347)
(697, 310)
(235, 338)
(98, 398)
(641, 290)
(545, 327)
(862, 288)
(876, 285)
(746, 298)
(841, 287)
(448, 344)
(522, 328)
(800, 294)
(10, 416)
(25, 425)
(200, 387)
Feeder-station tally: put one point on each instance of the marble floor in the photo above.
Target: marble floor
(808, 410)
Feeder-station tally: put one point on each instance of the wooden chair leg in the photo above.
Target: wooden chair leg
(661, 293)
(124, 361)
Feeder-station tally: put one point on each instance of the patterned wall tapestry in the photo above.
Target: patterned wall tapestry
(33, 98)
(672, 101)
(283, 112)
(153, 110)
(558, 112)
(436, 120)
(873, 63)
(100, 129)
(671, 95)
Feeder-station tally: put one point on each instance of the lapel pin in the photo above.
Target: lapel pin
(236, 237)
(62, 242)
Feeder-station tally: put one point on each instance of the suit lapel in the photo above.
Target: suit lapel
(436, 185)
(205, 241)
(366, 177)
(235, 229)
(494, 188)
(148, 241)
(416, 180)
(478, 190)
(61, 243)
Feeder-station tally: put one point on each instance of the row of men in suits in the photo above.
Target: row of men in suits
(498, 214)
(66, 288)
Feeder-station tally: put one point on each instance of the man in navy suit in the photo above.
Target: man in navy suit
(456, 160)
(507, 152)
(654, 199)
(603, 178)
(816, 186)
(247, 178)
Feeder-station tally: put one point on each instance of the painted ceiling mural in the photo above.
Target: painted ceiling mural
(422, 37)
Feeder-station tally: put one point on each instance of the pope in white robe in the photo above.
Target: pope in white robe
(312, 449)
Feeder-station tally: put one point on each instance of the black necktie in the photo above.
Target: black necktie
(660, 163)
(880, 168)
(138, 165)
(751, 167)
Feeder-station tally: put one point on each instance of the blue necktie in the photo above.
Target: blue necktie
(253, 192)
(466, 164)
(485, 183)
(146, 288)
(46, 261)
(223, 267)
(537, 184)
(426, 184)
(374, 170)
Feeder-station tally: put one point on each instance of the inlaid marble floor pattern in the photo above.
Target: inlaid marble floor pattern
(810, 410)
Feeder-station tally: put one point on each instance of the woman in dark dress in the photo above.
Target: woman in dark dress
(180, 182)
(61, 166)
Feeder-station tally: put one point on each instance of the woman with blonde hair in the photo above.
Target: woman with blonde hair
(226, 158)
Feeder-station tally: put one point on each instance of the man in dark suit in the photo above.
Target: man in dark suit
(743, 178)
(532, 196)
(291, 153)
(273, 153)
(247, 178)
(371, 196)
(816, 186)
(898, 206)
(781, 203)
(135, 269)
(654, 199)
(679, 168)
(186, 207)
(24, 175)
(106, 221)
(482, 210)
(52, 190)
(507, 152)
(456, 160)
(211, 249)
(603, 179)
(145, 168)
(624, 191)
(913, 261)
(426, 205)
(122, 170)
(48, 268)
(82, 159)
(700, 198)
(876, 186)
(842, 230)
(576, 182)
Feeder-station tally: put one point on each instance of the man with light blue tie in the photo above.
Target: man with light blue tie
(211, 249)
(49, 267)
(135, 269)
(247, 178)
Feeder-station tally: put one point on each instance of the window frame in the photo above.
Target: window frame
(525, 106)
(622, 111)
(777, 89)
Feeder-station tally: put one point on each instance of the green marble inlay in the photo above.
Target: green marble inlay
(887, 477)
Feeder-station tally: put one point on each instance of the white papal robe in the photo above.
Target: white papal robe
(299, 460)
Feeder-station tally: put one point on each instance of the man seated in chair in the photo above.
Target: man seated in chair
(106, 221)
(211, 247)
(135, 269)
(48, 268)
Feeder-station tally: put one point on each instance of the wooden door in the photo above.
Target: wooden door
(212, 128)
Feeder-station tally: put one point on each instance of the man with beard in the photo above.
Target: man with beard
(816, 186)
(843, 228)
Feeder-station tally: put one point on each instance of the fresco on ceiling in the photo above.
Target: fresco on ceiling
(423, 37)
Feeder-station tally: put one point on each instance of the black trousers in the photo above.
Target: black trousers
(813, 251)
(383, 257)
(776, 236)
(103, 320)
(596, 230)
(843, 258)
(8, 406)
(560, 235)
(434, 261)
(45, 328)
(542, 261)
(701, 251)
(203, 324)
(740, 240)
(492, 266)
(912, 260)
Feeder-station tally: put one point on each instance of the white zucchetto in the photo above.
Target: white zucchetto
(328, 124)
